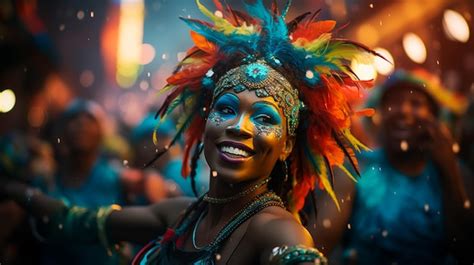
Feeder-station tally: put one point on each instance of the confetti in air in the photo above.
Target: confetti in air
(404, 145)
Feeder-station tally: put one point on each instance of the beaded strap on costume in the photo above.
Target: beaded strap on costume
(78, 223)
(261, 202)
(295, 255)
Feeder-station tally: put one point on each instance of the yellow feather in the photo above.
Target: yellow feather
(317, 46)
(348, 173)
(340, 50)
(165, 89)
(190, 60)
(354, 141)
(224, 26)
(155, 137)
(326, 184)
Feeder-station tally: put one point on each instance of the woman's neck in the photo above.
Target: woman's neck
(221, 212)
(409, 163)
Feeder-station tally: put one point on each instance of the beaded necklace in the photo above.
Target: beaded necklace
(241, 194)
(262, 201)
(168, 251)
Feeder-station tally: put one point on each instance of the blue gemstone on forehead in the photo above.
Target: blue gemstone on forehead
(256, 72)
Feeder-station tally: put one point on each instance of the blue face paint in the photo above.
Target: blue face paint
(226, 107)
(265, 113)
(267, 119)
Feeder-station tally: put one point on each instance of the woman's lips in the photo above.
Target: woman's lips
(234, 152)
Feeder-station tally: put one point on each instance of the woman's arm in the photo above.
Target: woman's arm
(108, 225)
(282, 240)
(143, 224)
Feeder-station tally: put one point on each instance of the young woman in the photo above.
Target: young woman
(266, 102)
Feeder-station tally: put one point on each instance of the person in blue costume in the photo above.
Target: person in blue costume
(83, 177)
(410, 206)
(266, 102)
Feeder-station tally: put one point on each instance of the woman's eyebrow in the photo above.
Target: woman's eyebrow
(267, 104)
(229, 96)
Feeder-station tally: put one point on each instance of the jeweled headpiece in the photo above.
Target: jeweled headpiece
(303, 49)
(266, 82)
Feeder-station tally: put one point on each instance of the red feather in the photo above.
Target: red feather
(313, 30)
(193, 134)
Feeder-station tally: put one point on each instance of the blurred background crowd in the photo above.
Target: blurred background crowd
(79, 86)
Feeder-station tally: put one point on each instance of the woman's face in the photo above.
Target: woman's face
(403, 114)
(83, 133)
(244, 136)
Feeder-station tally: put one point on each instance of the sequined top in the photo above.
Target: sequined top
(168, 249)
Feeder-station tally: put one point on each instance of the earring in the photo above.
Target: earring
(285, 169)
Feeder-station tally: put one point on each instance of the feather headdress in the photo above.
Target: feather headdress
(307, 51)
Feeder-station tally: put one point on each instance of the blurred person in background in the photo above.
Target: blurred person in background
(410, 205)
(20, 155)
(28, 61)
(156, 185)
(82, 177)
(170, 163)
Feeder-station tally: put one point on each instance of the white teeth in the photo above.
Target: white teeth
(234, 151)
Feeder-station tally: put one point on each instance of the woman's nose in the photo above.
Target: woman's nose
(405, 107)
(241, 127)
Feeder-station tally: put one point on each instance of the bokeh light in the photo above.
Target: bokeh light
(364, 70)
(129, 41)
(455, 26)
(382, 66)
(147, 54)
(7, 100)
(368, 34)
(87, 78)
(414, 47)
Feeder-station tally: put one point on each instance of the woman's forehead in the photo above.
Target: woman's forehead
(250, 97)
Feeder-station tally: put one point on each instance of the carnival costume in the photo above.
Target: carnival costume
(316, 106)
(305, 70)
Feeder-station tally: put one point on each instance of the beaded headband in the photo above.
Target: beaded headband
(266, 82)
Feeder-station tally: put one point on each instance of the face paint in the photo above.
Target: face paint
(267, 119)
(225, 108)
(244, 136)
(266, 82)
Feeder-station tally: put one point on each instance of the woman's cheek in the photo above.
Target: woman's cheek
(269, 131)
(216, 119)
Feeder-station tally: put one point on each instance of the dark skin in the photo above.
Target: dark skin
(254, 240)
(411, 136)
(79, 149)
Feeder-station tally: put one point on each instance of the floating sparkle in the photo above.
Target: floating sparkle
(404, 145)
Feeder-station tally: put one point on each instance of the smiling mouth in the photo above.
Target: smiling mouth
(235, 150)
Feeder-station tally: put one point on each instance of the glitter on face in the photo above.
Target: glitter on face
(268, 130)
(215, 118)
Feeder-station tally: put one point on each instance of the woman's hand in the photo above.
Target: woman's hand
(439, 144)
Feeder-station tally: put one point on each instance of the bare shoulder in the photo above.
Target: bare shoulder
(169, 210)
(275, 226)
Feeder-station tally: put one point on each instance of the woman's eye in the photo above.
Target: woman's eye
(264, 119)
(226, 110)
